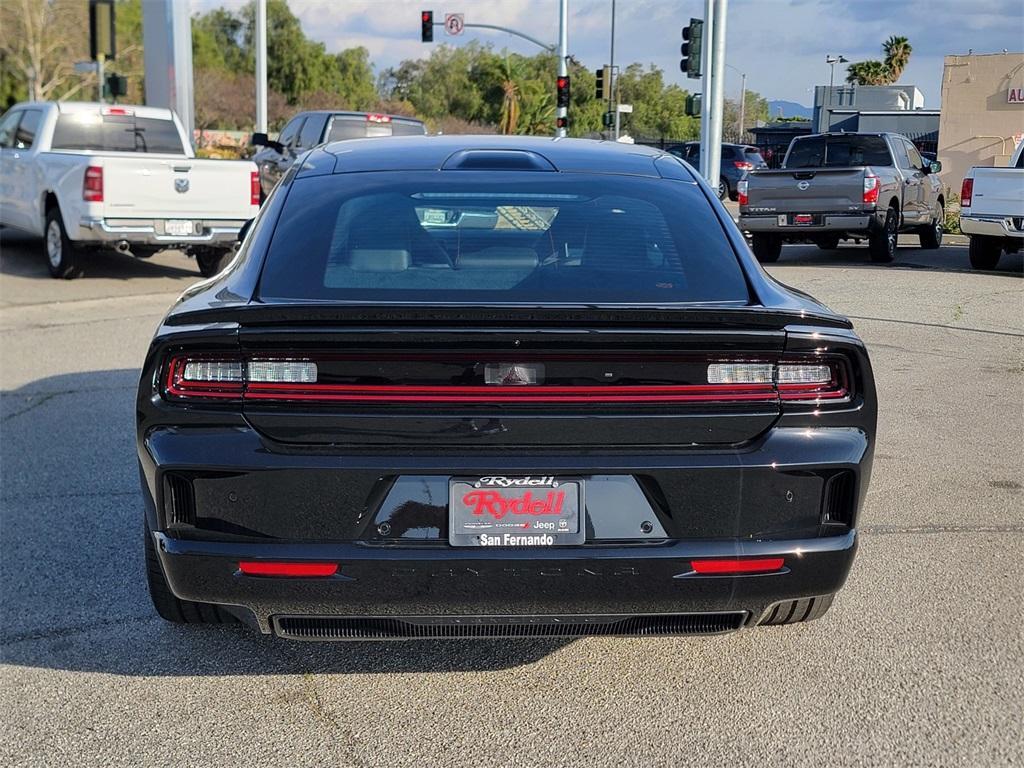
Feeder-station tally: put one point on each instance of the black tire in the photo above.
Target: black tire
(828, 243)
(797, 611)
(62, 255)
(211, 261)
(985, 251)
(767, 247)
(171, 608)
(882, 241)
(931, 235)
(723, 189)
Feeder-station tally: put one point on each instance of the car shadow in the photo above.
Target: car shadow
(72, 574)
(949, 258)
(21, 255)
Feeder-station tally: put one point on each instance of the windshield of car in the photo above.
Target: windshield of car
(483, 237)
(838, 152)
(753, 155)
(116, 133)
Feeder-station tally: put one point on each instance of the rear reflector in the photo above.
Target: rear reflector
(262, 568)
(747, 565)
(92, 184)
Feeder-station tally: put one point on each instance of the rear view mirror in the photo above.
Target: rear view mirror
(262, 140)
(935, 167)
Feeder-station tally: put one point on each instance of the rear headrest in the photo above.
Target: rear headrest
(377, 260)
(498, 257)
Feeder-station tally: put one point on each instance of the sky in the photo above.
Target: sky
(780, 44)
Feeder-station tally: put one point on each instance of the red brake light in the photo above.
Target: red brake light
(966, 193)
(871, 188)
(117, 111)
(254, 188)
(737, 565)
(378, 118)
(743, 165)
(741, 192)
(263, 568)
(92, 184)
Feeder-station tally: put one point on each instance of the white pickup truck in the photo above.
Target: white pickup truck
(85, 175)
(992, 210)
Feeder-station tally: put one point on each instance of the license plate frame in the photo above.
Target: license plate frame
(179, 227)
(516, 511)
(802, 220)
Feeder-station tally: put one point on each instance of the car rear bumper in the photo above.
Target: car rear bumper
(153, 232)
(390, 592)
(992, 226)
(829, 223)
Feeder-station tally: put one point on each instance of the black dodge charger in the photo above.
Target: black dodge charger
(487, 387)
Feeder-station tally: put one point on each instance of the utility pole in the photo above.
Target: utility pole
(613, 93)
(562, 113)
(261, 66)
(743, 104)
(717, 93)
(707, 101)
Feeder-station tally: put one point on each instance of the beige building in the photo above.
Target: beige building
(982, 112)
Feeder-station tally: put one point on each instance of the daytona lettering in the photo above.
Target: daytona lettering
(494, 504)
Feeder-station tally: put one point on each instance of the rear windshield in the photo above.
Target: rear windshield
(838, 152)
(116, 133)
(753, 155)
(514, 237)
(359, 127)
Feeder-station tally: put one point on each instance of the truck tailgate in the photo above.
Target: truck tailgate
(998, 191)
(808, 190)
(147, 186)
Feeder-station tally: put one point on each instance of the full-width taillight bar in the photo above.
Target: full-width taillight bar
(297, 380)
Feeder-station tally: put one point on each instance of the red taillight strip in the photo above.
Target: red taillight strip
(463, 394)
(737, 565)
(264, 568)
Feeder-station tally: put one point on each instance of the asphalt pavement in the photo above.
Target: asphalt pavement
(919, 662)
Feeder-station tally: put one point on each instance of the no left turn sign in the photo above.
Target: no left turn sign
(454, 23)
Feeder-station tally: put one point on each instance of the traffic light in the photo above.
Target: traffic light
(599, 89)
(691, 48)
(427, 32)
(563, 91)
(693, 104)
(102, 38)
(608, 119)
(116, 85)
(561, 122)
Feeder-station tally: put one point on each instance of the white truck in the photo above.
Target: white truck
(88, 175)
(992, 210)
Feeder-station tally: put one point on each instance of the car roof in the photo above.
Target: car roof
(354, 113)
(407, 153)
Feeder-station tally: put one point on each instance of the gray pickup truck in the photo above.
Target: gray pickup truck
(835, 186)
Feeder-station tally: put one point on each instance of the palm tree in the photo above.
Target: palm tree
(897, 54)
(508, 120)
(868, 73)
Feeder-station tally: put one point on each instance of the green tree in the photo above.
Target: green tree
(873, 72)
(897, 55)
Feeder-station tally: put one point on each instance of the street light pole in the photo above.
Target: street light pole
(563, 56)
(743, 105)
(261, 66)
(612, 96)
(714, 155)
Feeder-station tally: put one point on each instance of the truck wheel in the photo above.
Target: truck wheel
(985, 251)
(882, 242)
(171, 608)
(212, 260)
(60, 250)
(828, 243)
(931, 235)
(767, 247)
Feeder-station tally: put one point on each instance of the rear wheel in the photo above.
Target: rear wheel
(767, 247)
(882, 242)
(985, 251)
(796, 611)
(723, 190)
(211, 261)
(931, 235)
(171, 608)
(61, 253)
(828, 243)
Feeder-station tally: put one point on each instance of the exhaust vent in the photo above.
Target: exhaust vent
(838, 501)
(179, 500)
(455, 627)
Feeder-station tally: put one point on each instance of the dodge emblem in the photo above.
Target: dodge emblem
(181, 186)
